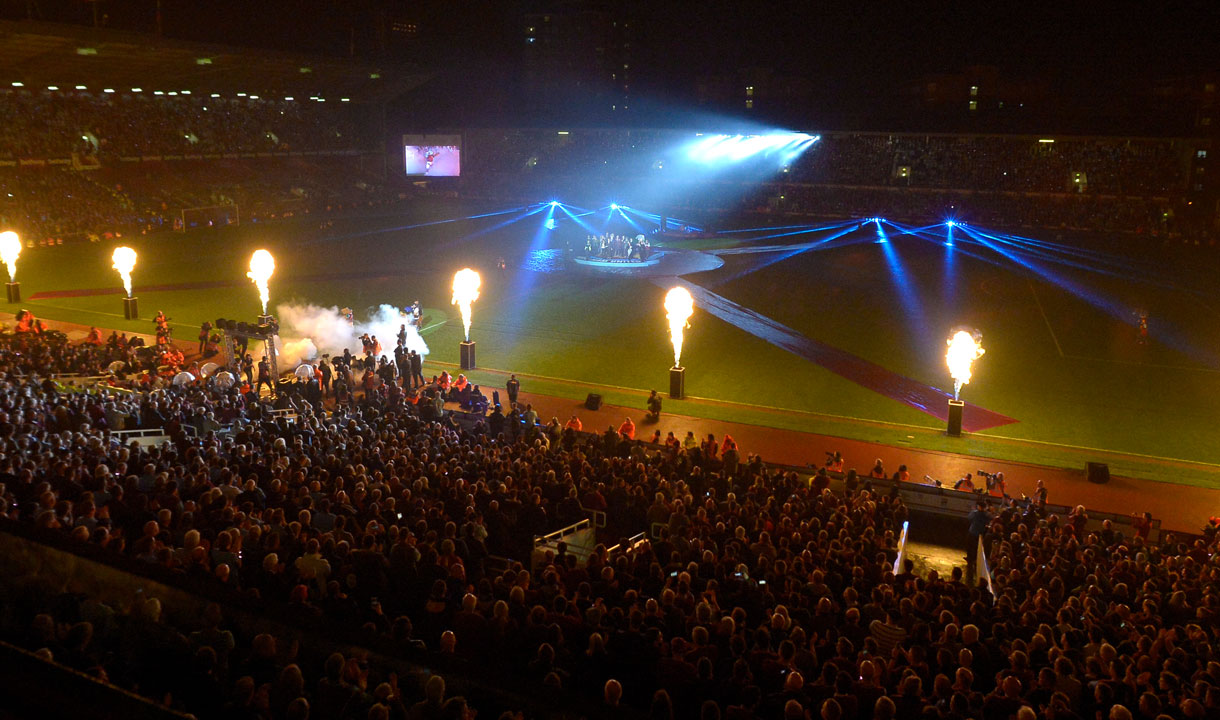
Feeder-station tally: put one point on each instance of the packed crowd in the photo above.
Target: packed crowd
(54, 205)
(1141, 216)
(1018, 163)
(46, 124)
(1106, 166)
(1099, 184)
(59, 203)
(760, 594)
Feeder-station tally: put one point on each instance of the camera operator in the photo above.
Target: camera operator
(965, 484)
(996, 487)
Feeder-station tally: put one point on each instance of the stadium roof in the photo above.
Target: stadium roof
(44, 55)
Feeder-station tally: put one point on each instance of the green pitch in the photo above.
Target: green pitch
(1062, 358)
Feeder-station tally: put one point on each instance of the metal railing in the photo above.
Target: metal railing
(288, 415)
(632, 543)
(553, 539)
(84, 382)
(597, 516)
(148, 436)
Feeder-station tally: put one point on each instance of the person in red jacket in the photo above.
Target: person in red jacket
(627, 429)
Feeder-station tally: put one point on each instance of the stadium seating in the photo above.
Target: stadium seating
(1082, 183)
(760, 592)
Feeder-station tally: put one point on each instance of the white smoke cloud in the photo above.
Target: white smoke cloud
(309, 331)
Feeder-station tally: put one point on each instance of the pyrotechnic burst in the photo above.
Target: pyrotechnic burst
(465, 291)
(10, 248)
(964, 349)
(124, 261)
(262, 265)
(679, 306)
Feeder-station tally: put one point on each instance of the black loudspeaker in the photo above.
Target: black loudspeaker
(1098, 472)
(593, 402)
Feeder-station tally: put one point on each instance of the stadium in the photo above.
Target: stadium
(312, 407)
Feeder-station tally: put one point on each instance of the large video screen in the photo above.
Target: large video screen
(432, 155)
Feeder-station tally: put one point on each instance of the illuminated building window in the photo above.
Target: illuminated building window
(749, 91)
(974, 105)
(749, 104)
(974, 91)
(1201, 154)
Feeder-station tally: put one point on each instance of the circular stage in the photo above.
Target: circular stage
(662, 262)
(599, 262)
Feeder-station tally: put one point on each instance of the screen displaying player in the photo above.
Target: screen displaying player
(432, 155)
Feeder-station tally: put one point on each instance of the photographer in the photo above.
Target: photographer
(996, 487)
(965, 484)
(654, 406)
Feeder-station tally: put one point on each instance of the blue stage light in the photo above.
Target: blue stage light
(554, 203)
(951, 223)
(614, 206)
(727, 149)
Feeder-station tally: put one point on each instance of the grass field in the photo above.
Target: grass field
(1063, 356)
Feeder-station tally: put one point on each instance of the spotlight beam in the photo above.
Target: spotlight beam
(577, 219)
(793, 251)
(909, 297)
(634, 224)
(382, 231)
(498, 225)
(785, 227)
(656, 219)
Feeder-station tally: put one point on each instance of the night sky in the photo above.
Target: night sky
(855, 52)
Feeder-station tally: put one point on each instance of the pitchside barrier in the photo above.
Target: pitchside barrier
(958, 503)
(924, 498)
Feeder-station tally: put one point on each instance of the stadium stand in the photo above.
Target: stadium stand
(1125, 185)
(326, 557)
(284, 551)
